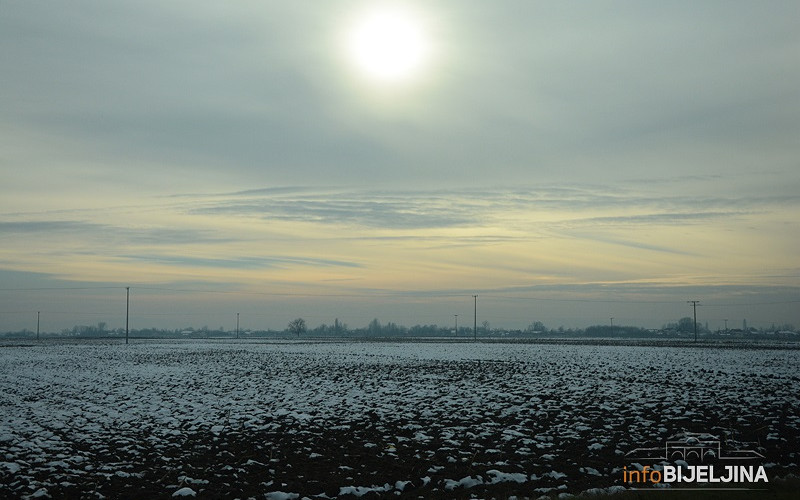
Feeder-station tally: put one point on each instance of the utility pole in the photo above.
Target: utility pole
(726, 325)
(237, 325)
(612, 327)
(475, 324)
(127, 310)
(694, 308)
(456, 315)
(37, 325)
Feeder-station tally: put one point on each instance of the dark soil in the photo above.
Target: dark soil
(315, 461)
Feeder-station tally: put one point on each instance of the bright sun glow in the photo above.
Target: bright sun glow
(388, 44)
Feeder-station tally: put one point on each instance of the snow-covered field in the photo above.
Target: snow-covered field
(349, 419)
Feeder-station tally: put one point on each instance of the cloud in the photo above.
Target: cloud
(116, 234)
(426, 209)
(562, 91)
(659, 219)
(30, 227)
(242, 262)
(387, 209)
(630, 243)
(388, 213)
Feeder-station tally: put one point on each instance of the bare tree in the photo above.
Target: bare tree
(297, 326)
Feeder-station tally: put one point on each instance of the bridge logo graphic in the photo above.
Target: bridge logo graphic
(693, 447)
(695, 458)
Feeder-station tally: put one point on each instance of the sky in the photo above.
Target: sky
(566, 162)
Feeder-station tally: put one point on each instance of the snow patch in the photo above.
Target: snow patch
(465, 482)
(12, 467)
(506, 477)
(185, 492)
(363, 490)
(281, 495)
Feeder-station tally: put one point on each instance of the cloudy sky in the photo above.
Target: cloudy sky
(567, 162)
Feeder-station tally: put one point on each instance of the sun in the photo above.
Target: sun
(388, 44)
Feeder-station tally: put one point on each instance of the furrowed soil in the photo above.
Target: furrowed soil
(383, 421)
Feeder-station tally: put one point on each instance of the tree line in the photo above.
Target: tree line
(299, 328)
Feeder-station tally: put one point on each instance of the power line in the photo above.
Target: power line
(50, 288)
(297, 294)
(606, 301)
(67, 313)
(634, 301)
(776, 303)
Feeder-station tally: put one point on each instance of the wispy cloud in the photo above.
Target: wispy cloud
(117, 234)
(423, 209)
(659, 219)
(631, 243)
(45, 226)
(392, 213)
(242, 262)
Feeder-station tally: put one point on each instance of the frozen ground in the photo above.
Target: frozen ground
(359, 419)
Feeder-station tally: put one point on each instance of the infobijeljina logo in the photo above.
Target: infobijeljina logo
(694, 460)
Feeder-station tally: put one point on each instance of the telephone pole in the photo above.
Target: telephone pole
(456, 315)
(127, 310)
(237, 325)
(694, 308)
(475, 324)
(37, 324)
(612, 327)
